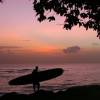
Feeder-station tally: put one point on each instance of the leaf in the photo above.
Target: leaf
(41, 18)
(51, 18)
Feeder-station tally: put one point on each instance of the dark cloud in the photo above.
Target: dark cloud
(26, 40)
(9, 47)
(95, 44)
(73, 49)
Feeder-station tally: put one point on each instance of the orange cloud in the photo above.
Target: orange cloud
(45, 49)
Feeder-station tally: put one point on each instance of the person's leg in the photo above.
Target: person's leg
(38, 86)
(34, 87)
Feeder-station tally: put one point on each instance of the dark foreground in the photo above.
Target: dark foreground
(90, 92)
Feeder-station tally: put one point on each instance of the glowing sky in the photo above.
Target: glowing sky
(24, 40)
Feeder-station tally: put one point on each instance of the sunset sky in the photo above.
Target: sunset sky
(24, 40)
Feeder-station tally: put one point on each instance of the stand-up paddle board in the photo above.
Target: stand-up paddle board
(42, 76)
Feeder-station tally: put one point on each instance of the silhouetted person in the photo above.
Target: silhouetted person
(36, 84)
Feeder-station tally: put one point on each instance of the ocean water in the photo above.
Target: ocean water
(74, 75)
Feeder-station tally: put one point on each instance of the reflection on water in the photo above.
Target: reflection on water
(74, 74)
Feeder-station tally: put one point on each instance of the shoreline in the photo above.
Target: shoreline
(86, 92)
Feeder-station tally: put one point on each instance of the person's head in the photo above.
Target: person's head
(36, 67)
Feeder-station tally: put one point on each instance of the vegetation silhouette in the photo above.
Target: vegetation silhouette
(76, 12)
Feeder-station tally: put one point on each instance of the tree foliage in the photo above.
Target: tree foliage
(0, 0)
(84, 13)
